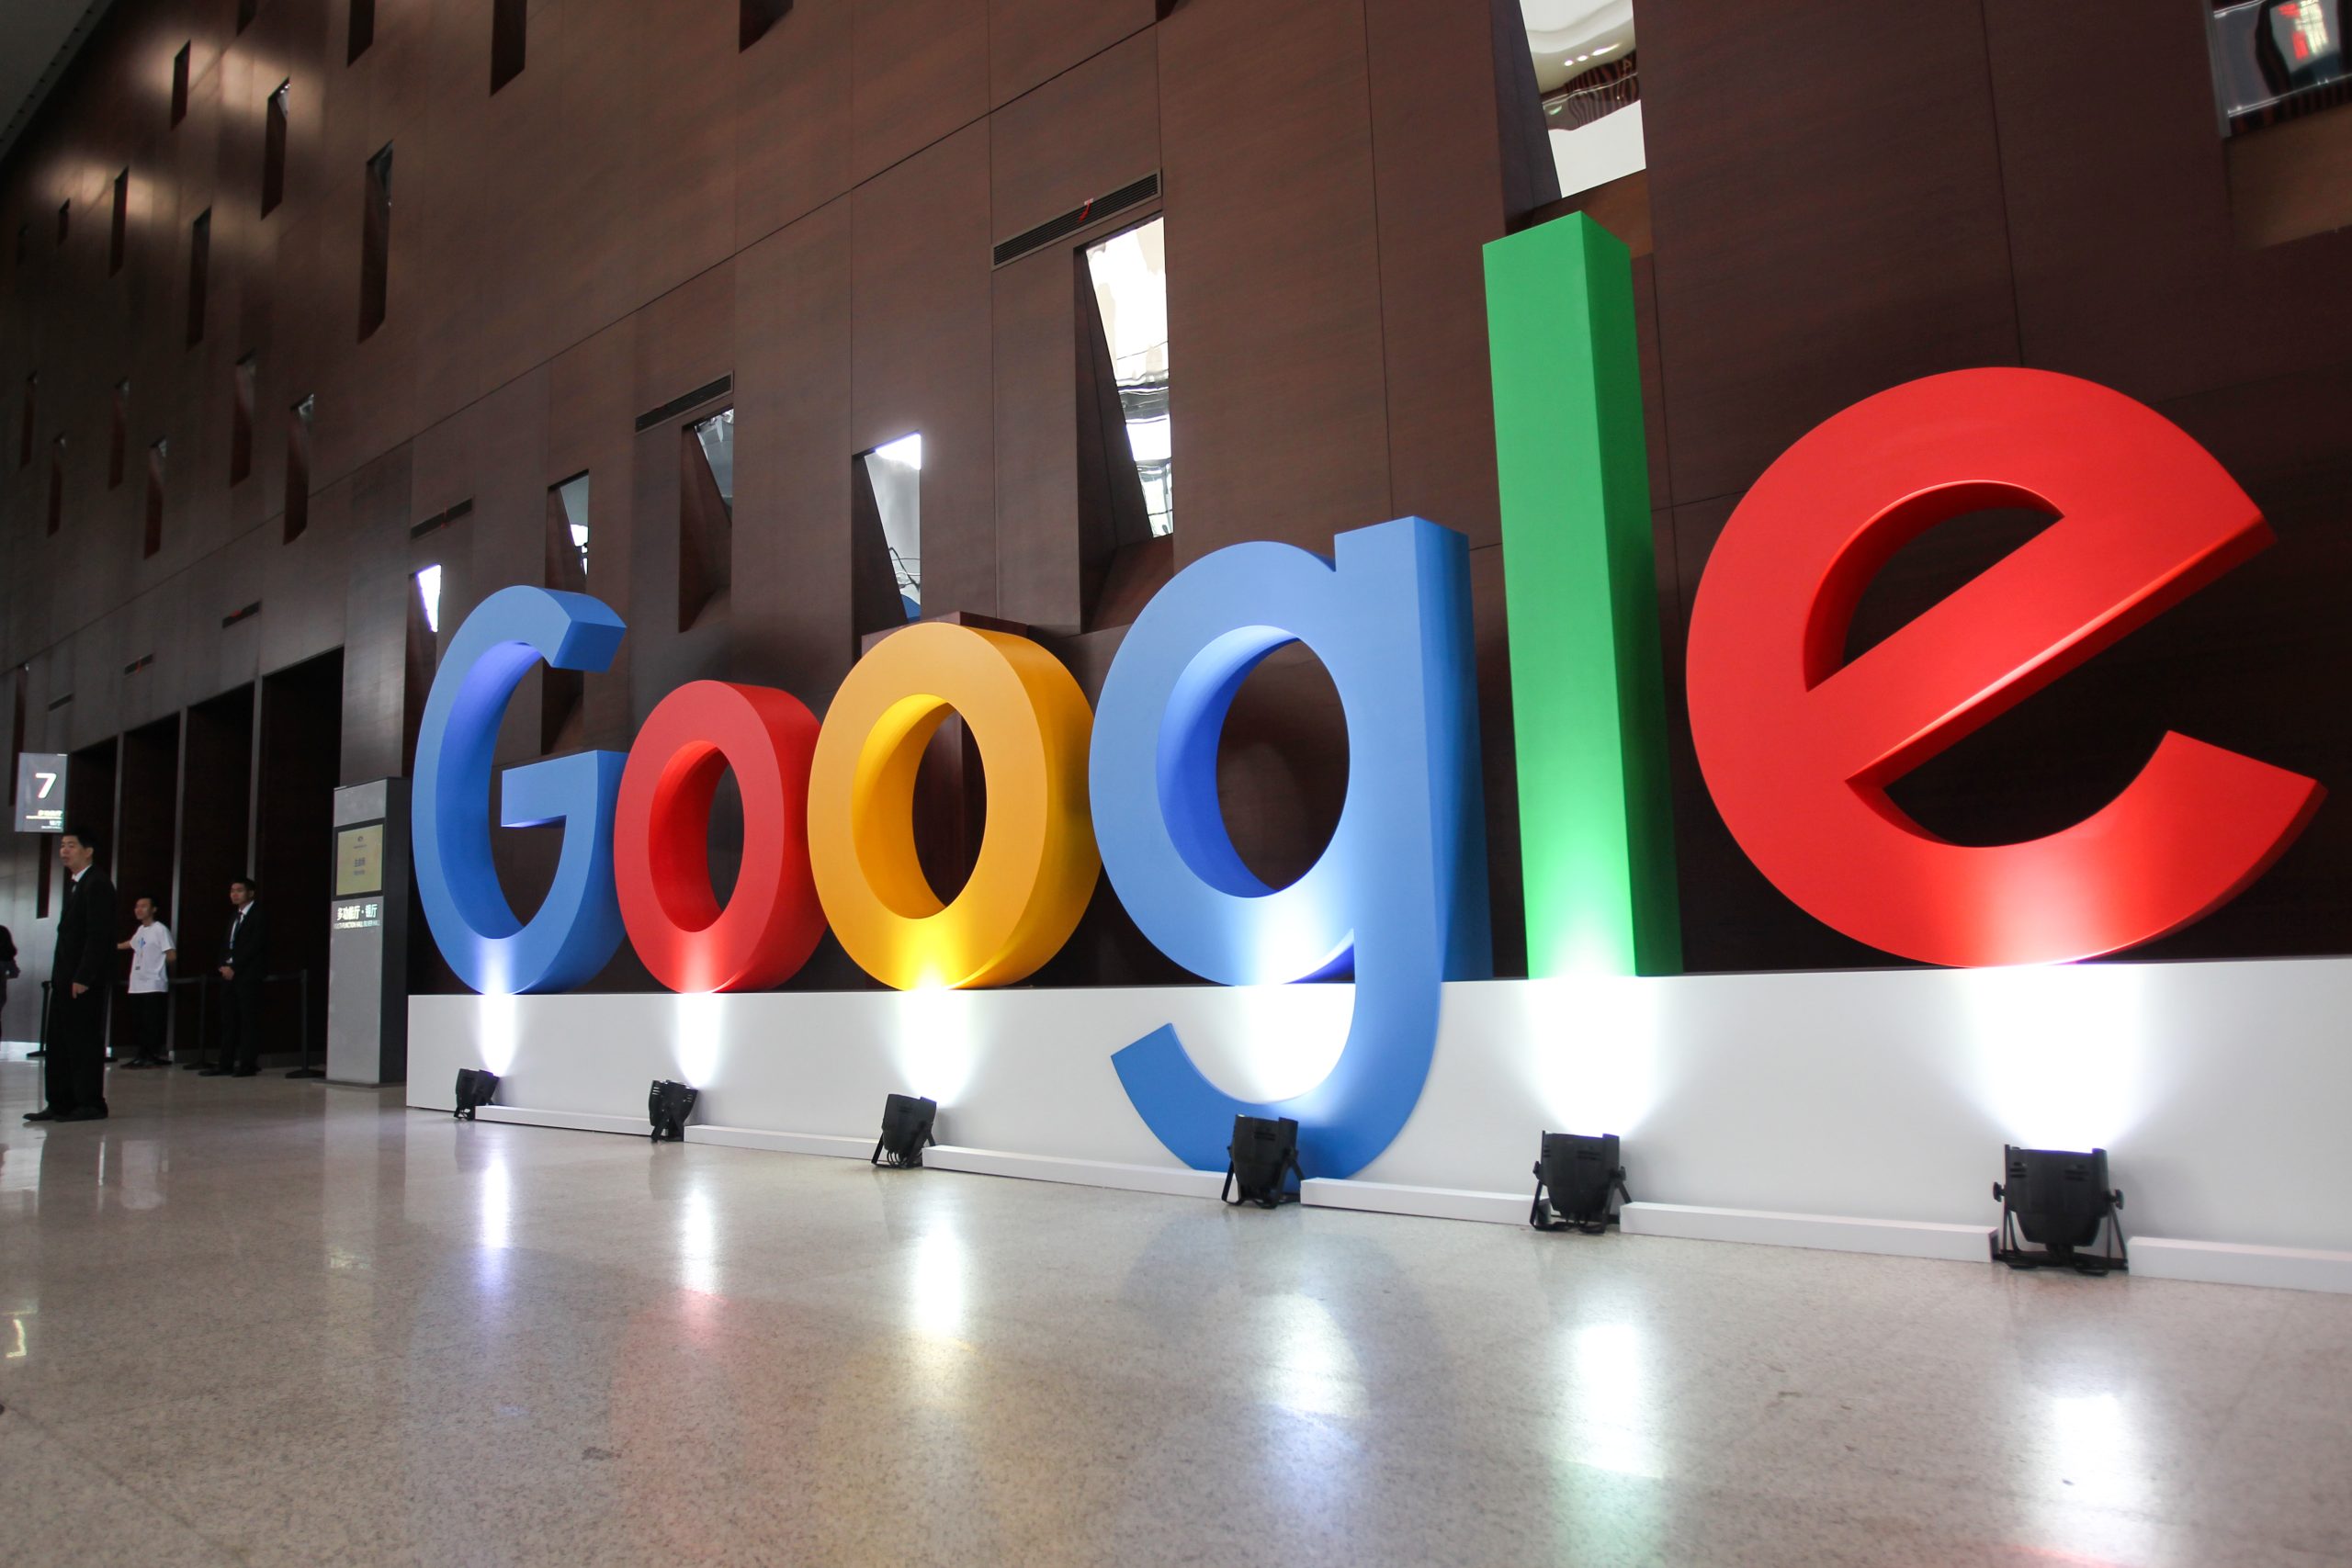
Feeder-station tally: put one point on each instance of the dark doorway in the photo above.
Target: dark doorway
(301, 724)
(90, 797)
(216, 814)
(146, 830)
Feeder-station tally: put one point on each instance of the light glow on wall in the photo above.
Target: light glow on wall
(497, 1030)
(697, 1035)
(2057, 1050)
(1591, 1050)
(932, 1045)
(1293, 1041)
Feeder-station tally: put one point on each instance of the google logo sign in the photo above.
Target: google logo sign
(1797, 744)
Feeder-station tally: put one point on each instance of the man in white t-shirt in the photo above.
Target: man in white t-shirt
(151, 987)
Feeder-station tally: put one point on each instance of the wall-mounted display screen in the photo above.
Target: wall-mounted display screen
(2274, 58)
(40, 791)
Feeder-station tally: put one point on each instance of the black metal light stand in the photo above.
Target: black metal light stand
(1261, 1158)
(907, 1123)
(668, 1106)
(1582, 1175)
(2060, 1200)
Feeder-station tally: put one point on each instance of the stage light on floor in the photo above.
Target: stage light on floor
(1261, 1158)
(668, 1107)
(2058, 1199)
(1576, 1178)
(477, 1087)
(906, 1131)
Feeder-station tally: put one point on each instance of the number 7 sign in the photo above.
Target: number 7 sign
(40, 793)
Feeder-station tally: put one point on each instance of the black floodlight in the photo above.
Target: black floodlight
(1263, 1156)
(906, 1129)
(2059, 1200)
(668, 1107)
(477, 1087)
(1581, 1174)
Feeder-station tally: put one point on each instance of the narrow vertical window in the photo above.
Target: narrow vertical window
(118, 435)
(508, 21)
(887, 509)
(566, 552)
(562, 691)
(375, 242)
(705, 515)
(1129, 272)
(156, 455)
(179, 85)
(65, 219)
(363, 29)
(428, 597)
(120, 232)
(199, 260)
(241, 421)
(757, 17)
(273, 148)
(33, 403)
(297, 466)
(57, 485)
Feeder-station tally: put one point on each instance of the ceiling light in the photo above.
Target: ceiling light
(1604, 48)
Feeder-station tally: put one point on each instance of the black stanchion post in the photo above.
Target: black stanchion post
(306, 1070)
(202, 982)
(43, 1049)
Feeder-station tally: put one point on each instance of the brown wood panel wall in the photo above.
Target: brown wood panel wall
(1831, 206)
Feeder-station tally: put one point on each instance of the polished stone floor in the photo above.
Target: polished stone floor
(266, 1322)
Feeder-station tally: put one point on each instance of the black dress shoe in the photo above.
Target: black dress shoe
(41, 1116)
(212, 1072)
(85, 1113)
(246, 1073)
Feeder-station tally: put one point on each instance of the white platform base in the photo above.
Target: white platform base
(782, 1143)
(2153, 1257)
(2222, 1263)
(1723, 1087)
(1435, 1202)
(1900, 1238)
(577, 1121)
(1175, 1181)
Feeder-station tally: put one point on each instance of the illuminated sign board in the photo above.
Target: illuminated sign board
(40, 791)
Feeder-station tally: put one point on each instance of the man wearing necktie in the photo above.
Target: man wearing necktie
(243, 963)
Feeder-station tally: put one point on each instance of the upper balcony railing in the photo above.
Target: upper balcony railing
(1603, 90)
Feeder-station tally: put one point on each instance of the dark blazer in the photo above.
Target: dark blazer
(85, 934)
(247, 951)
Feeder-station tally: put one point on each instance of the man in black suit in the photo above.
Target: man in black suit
(80, 980)
(243, 964)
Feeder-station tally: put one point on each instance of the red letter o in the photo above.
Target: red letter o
(661, 829)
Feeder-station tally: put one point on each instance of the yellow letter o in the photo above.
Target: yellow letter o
(1037, 861)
